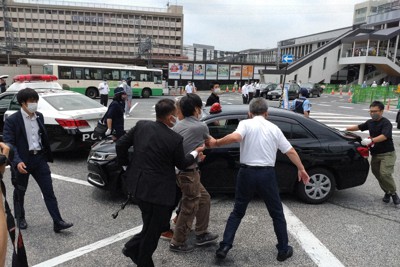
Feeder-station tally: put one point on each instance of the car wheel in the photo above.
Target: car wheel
(310, 95)
(146, 93)
(320, 188)
(91, 92)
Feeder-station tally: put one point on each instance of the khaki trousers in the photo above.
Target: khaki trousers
(382, 166)
(195, 203)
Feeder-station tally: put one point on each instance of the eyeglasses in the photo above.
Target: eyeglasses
(374, 111)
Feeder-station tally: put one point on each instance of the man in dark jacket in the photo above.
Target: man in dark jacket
(115, 114)
(213, 98)
(25, 131)
(151, 178)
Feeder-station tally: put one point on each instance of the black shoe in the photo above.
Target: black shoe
(205, 238)
(61, 225)
(182, 248)
(396, 200)
(222, 251)
(285, 255)
(386, 198)
(22, 224)
(128, 254)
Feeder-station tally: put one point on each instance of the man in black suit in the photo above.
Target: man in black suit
(25, 131)
(151, 178)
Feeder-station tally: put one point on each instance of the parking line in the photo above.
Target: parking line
(133, 107)
(89, 248)
(69, 179)
(307, 240)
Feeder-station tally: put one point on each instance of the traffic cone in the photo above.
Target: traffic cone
(388, 105)
(332, 92)
(350, 99)
(233, 89)
(227, 89)
(341, 91)
(349, 93)
(239, 90)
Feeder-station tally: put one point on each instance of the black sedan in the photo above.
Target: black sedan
(313, 89)
(333, 159)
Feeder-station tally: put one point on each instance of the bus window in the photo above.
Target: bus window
(78, 73)
(157, 77)
(145, 76)
(48, 69)
(128, 73)
(111, 74)
(64, 72)
(93, 74)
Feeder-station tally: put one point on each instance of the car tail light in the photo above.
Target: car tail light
(364, 151)
(72, 124)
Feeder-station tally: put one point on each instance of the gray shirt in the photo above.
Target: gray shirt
(194, 133)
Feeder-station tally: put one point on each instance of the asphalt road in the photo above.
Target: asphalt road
(354, 228)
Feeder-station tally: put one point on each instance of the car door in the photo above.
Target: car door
(5, 100)
(221, 164)
(305, 144)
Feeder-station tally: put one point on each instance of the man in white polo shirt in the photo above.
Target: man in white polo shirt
(259, 141)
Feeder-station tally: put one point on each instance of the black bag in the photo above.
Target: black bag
(101, 128)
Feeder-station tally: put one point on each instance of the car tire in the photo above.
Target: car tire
(320, 188)
(310, 95)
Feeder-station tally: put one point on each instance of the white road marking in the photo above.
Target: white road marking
(323, 105)
(69, 179)
(133, 107)
(346, 107)
(307, 240)
(89, 248)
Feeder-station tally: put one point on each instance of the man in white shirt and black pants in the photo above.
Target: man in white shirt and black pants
(259, 141)
(104, 90)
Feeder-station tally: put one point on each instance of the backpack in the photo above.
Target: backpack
(298, 108)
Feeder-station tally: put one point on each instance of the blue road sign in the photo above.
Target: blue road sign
(287, 58)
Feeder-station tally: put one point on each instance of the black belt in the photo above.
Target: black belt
(190, 170)
(35, 152)
(255, 167)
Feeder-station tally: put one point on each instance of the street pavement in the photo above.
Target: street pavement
(354, 228)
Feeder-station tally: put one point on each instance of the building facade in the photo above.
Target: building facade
(61, 29)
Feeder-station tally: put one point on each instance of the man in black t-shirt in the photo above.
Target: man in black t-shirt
(213, 98)
(382, 151)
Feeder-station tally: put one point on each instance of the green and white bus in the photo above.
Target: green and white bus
(84, 77)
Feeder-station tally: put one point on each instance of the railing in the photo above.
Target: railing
(388, 95)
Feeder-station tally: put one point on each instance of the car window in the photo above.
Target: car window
(14, 105)
(292, 130)
(71, 102)
(223, 126)
(5, 101)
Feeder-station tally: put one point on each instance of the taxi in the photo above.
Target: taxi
(69, 117)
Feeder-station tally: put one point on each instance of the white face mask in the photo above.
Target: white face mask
(217, 90)
(32, 107)
(200, 114)
(173, 122)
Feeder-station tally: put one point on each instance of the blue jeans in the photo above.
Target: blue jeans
(263, 182)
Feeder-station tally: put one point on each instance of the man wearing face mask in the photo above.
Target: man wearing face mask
(213, 98)
(150, 176)
(382, 150)
(25, 131)
(115, 114)
(195, 202)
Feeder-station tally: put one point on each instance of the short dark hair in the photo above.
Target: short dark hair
(212, 84)
(378, 104)
(189, 103)
(258, 106)
(27, 94)
(165, 107)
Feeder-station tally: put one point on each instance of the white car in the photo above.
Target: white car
(69, 117)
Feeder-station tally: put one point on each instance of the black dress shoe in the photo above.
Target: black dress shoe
(128, 254)
(61, 225)
(285, 255)
(222, 251)
(22, 224)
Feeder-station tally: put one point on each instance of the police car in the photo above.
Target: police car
(69, 117)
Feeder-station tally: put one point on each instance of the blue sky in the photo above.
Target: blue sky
(235, 25)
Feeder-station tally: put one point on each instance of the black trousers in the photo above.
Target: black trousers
(142, 245)
(39, 169)
(104, 100)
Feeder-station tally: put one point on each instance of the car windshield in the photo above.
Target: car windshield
(306, 85)
(64, 102)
